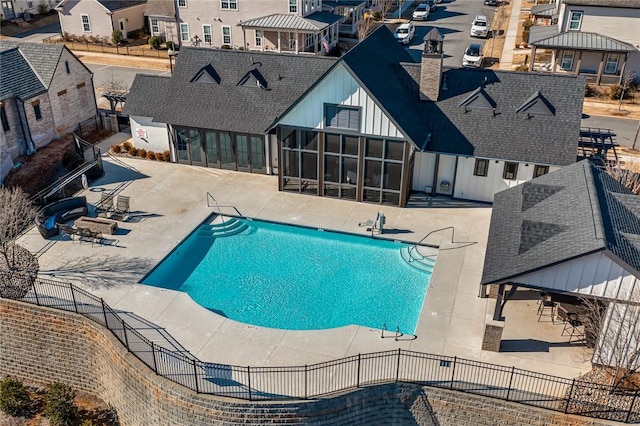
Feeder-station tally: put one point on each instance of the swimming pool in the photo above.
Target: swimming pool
(296, 278)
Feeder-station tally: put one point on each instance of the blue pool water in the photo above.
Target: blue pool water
(295, 278)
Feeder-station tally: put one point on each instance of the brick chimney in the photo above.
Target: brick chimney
(431, 66)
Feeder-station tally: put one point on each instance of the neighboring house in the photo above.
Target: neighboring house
(281, 25)
(352, 10)
(100, 18)
(596, 38)
(574, 232)
(44, 91)
(342, 128)
(16, 8)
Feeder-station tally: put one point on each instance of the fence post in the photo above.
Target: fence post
(249, 380)
(33, 284)
(566, 408)
(633, 401)
(306, 391)
(513, 368)
(358, 375)
(195, 375)
(398, 366)
(73, 297)
(453, 372)
(124, 331)
(153, 354)
(104, 312)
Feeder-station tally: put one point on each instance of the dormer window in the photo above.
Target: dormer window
(575, 20)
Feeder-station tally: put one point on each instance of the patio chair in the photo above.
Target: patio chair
(122, 210)
(105, 206)
(573, 327)
(546, 308)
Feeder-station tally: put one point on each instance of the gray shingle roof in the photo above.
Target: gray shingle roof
(583, 41)
(165, 8)
(548, 9)
(566, 214)
(505, 134)
(147, 96)
(114, 5)
(314, 22)
(230, 104)
(539, 32)
(631, 4)
(43, 58)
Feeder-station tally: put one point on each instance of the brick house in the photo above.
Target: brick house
(45, 91)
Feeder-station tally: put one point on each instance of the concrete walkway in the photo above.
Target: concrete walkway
(169, 200)
(506, 60)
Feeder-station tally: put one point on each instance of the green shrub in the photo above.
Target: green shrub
(43, 8)
(142, 153)
(14, 399)
(151, 155)
(522, 68)
(126, 146)
(615, 92)
(58, 405)
(166, 156)
(170, 45)
(88, 422)
(225, 46)
(134, 151)
(116, 148)
(116, 37)
(154, 42)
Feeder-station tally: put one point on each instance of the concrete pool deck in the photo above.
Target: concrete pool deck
(169, 200)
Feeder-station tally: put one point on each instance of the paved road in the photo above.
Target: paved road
(104, 74)
(38, 34)
(453, 19)
(624, 128)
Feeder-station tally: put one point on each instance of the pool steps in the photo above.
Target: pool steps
(415, 259)
(227, 229)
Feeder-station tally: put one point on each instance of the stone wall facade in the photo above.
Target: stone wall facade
(42, 345)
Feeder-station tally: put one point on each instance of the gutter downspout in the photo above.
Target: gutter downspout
(24, 125)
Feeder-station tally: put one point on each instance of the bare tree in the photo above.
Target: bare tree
(366, 27)
(627, 82)
(385, 6)
(629, 176)
(614, 328)
(18, 266)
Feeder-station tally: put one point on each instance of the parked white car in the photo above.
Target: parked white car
(472, 56)
(421, 12)
(480, 27)
(405, 32)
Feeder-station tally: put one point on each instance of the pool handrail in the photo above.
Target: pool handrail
(211, 197)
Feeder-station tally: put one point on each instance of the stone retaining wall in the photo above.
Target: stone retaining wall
(42, 345)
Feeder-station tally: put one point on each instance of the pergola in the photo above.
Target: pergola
(115, 97)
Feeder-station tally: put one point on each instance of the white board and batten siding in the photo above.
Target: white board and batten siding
(340, 88)
(148, 134)
(592, 275)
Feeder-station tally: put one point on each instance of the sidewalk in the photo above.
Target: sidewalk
(506, 59)
(123, 60)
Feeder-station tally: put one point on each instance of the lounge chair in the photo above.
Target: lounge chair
(122, 211)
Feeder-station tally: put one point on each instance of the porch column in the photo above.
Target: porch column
(600, 68)
(279, 42)
(555, 60)
(244, 39)
(533, 58)
(624, 64)
(297, 41)
(315, 44)
(579, 63)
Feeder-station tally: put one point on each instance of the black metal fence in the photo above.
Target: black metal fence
(91, 166)
(102, 47)
(311, 381)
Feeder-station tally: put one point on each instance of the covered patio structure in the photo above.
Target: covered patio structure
(316, 33)
(571, 235)
(601, 59)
